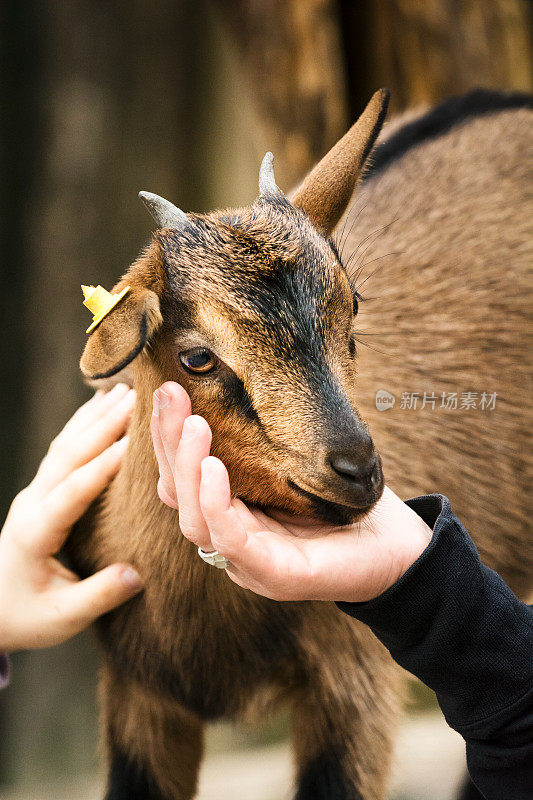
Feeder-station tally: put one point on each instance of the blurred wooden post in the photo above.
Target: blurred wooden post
(311, 65)
(426, 50)
(291, 58)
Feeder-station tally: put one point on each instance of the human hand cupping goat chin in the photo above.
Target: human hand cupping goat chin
(276, 556)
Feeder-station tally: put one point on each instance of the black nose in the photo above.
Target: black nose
(362, 475)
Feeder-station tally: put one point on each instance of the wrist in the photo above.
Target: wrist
(418, 540)
(403, 536)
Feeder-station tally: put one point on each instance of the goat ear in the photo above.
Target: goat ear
(327, 190)
(122, 334)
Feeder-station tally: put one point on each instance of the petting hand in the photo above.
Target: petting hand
(277, 556)
(41, 602)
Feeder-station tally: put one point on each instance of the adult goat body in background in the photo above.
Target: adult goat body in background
(451, 274)
(253, 312)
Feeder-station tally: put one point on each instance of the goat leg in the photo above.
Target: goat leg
(155, 746)
(343, 717)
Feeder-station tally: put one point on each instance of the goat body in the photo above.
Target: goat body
(443, 220)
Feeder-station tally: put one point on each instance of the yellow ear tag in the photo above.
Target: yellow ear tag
(100, 302)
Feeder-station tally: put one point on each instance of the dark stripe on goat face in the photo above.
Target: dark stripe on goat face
(289, 306)
(287, 332)
(235, 396)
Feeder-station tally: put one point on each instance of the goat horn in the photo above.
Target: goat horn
(267, 182)
(165, 214)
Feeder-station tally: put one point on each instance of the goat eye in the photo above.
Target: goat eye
(198, 360)
(355, 304)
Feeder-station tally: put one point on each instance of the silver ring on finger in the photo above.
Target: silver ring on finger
(214, 559)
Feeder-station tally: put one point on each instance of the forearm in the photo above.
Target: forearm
(456, 625)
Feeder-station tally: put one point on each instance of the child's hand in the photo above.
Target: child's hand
(277, 556)
(41, 602)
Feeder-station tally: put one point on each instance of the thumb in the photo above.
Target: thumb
(81, 603)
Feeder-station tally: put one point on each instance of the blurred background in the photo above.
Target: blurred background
(182, 97)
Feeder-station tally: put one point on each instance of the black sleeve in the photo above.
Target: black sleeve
(456, 625)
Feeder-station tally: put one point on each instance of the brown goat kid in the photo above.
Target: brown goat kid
(252, 311)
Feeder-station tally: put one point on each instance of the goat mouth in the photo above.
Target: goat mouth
(330, 510)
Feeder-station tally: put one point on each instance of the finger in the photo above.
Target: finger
(226, 529)
(246, 581)
(172, 416)
(165, 484)
(69, 452)
(267, 562)
(65, 504)
(194, 446)
(78, 605)
(171, 406)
